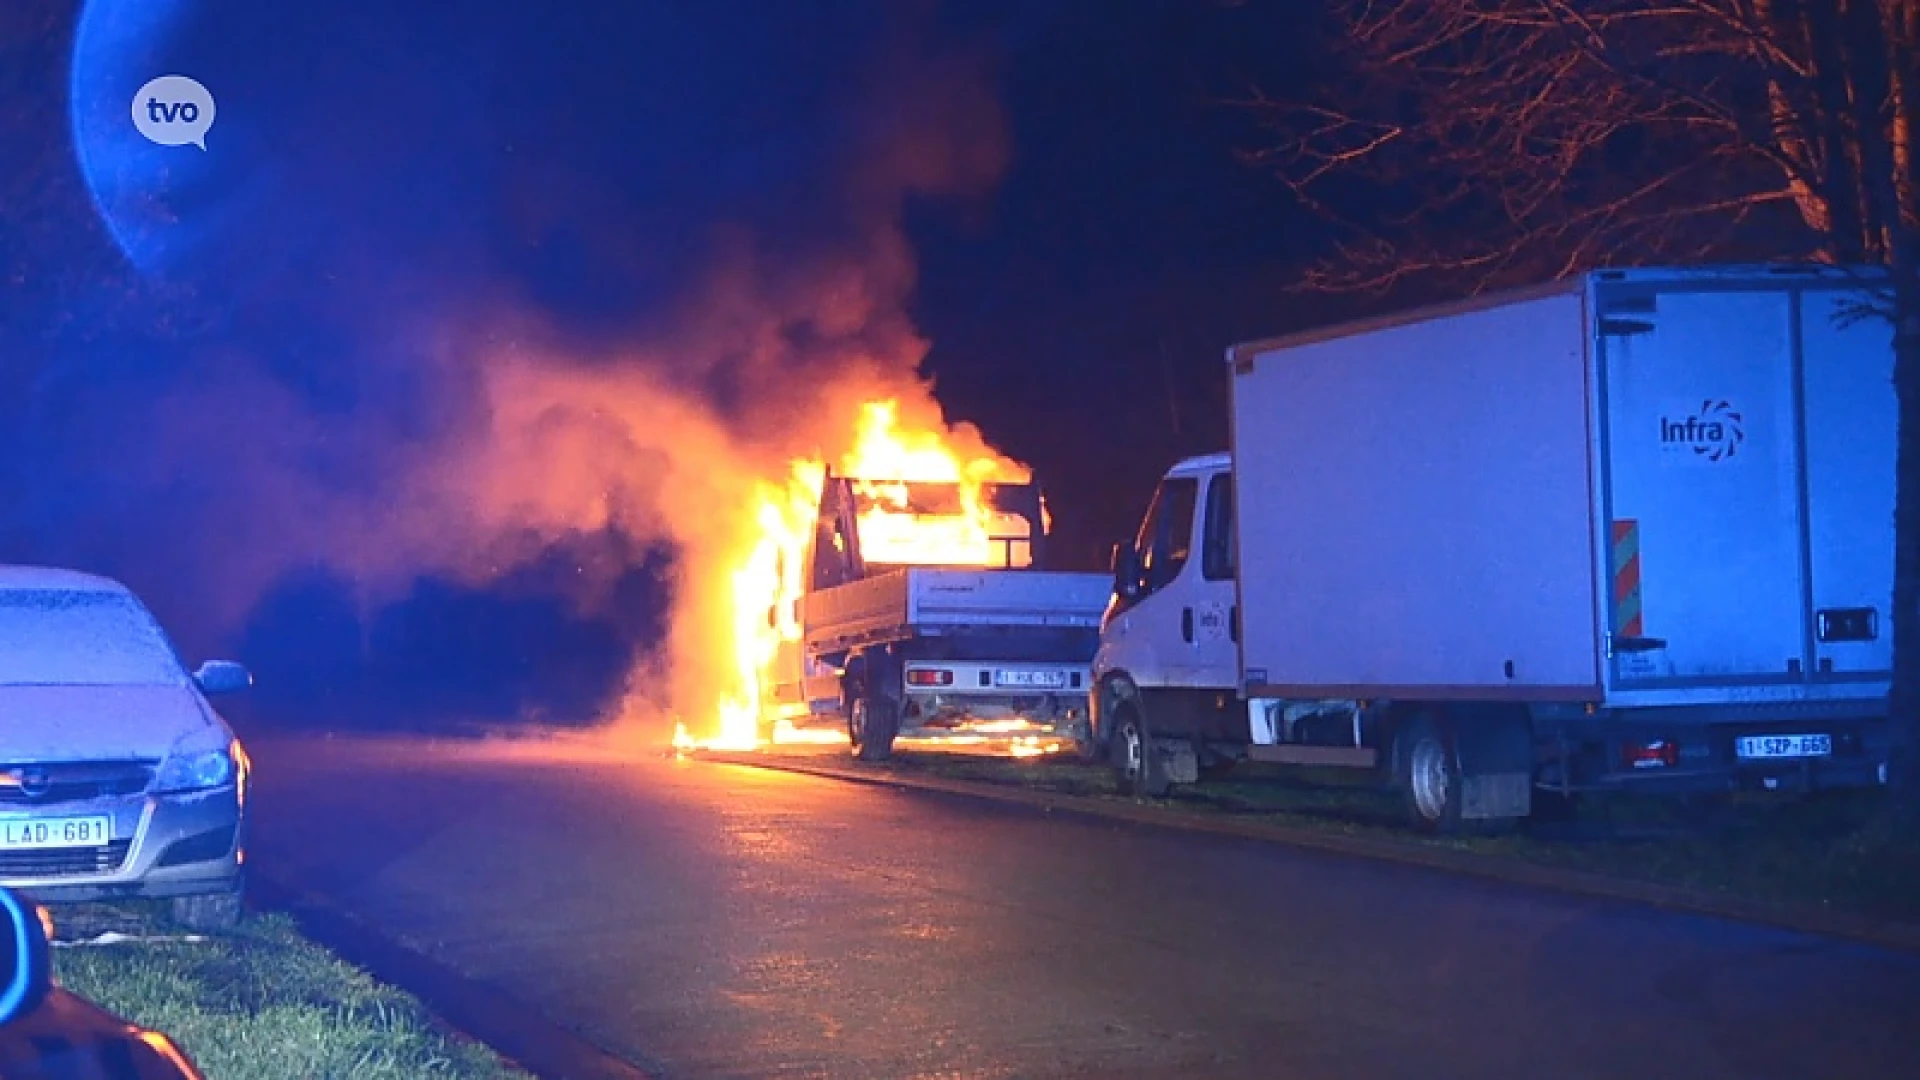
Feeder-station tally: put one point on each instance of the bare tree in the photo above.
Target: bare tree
(1488, 141)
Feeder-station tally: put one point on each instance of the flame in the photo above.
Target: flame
(886, 460)
(764, 596)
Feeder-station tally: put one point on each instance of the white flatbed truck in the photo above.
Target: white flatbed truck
(896, 642)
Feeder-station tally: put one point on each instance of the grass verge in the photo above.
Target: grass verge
(260, 1002)
(1819, 852)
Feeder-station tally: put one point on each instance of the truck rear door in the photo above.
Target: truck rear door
(1746, 433)
(1852, 423)
(1703, 489)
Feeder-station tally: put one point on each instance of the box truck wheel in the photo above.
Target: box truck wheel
(1137, 768)
(1427, 762)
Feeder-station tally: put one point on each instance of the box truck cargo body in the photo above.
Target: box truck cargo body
(1632, 529)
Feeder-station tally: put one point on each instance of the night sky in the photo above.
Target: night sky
(225, 373)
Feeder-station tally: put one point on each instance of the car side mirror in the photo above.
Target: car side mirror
(26, 963)
(222, 677)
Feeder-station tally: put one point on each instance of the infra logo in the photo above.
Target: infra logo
(1715, 432)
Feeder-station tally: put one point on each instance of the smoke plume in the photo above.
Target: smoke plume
(528, 312)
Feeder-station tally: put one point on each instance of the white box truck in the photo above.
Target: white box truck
(1629, 530)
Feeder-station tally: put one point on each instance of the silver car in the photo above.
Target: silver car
(117, 778)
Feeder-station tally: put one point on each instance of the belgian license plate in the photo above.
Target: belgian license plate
(1784, 746)
(25, 834)
(1031, 680)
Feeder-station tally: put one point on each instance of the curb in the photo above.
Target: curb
(510, 1029)
(1903, 937)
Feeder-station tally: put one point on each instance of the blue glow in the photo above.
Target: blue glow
(117, 46)
(20, 981)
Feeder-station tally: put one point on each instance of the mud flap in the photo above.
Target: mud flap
(1180, 764)
(1494, 796)
(1496, 767)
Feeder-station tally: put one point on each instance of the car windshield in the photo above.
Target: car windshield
(70, 637)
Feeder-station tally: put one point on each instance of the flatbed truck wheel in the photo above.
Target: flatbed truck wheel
(873, 721)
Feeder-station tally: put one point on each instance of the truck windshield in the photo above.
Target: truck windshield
(934, 524)
(1166, 534)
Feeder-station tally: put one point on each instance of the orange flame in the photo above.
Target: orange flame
(886, 461)
(766, 586)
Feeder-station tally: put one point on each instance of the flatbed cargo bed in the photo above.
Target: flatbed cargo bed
(931, 602)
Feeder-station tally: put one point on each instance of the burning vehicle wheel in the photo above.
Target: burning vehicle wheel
(872, 724)
(1135, 766)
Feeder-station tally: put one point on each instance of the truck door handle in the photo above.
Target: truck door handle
(1186, 625)
(1233, 624)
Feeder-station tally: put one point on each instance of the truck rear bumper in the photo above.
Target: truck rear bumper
(1802, 775)
(965, 717)
(1705, 758)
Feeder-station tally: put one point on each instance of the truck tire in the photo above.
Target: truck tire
(1427, 772)
(873, 707)
(871, 726)
(1137, 768)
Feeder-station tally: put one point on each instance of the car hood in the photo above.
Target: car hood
(99, 723)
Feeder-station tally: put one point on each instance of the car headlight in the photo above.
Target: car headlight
(194, 771)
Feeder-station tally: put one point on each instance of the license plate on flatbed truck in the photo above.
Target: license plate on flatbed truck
(1764, 747)
(27, 834)
(1031, 680)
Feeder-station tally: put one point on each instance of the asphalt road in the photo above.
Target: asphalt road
(721, 921)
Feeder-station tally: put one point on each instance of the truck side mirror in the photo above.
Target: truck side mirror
(1125, 567)
(26, 970)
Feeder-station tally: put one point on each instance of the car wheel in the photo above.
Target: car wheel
(211, 911)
